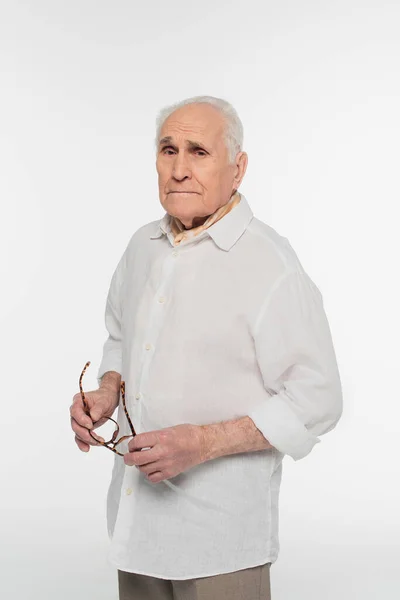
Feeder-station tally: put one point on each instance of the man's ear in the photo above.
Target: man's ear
(242, 160)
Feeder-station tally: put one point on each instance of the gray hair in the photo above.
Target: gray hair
(233, 134)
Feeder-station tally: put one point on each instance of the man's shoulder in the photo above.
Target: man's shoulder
(272, 244)
(143, 233)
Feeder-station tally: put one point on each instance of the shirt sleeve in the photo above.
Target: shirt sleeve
(112, 348)
(296, 357)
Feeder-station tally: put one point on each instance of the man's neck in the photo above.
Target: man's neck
(196, 222)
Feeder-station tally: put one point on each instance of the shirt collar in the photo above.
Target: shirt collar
(224, 232)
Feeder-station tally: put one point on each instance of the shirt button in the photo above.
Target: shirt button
(148, 346)
(175, 253)
(128, 491)
(161, 299)
(138, 396)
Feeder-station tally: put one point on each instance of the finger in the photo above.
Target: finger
(156, 477)
(95, 417)
(77, 412)
(150, 468)
(144, 457)
(81, 445)
(137, 459)
(83, 434)
(154, 473)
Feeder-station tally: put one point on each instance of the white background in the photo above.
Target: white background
(316, 85)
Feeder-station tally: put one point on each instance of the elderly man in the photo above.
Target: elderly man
(226, 351)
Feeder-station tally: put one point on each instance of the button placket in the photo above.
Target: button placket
(156, 315)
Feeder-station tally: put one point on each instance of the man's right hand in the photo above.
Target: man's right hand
(102, 403)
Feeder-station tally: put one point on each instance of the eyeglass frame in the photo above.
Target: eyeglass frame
(115, 434)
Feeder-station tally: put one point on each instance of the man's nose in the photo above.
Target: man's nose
(180, 168)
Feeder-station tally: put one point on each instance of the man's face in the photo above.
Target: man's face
(194, 177)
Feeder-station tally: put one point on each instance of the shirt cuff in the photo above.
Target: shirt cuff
(282, 428)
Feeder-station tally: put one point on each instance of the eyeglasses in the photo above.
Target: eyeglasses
(116, 432)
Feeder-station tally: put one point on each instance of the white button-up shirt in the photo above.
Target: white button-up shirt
(225, 325)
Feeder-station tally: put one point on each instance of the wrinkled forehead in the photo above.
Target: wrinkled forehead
(203, 124)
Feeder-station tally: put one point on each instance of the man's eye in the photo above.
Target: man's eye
(169, 149)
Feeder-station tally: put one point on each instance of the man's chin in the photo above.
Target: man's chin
(184, 201)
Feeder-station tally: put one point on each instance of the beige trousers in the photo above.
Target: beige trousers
(246, 584)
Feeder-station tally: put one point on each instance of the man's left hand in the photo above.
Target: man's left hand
(167, 452)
